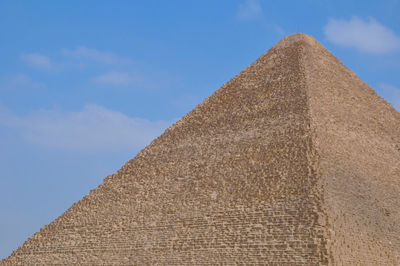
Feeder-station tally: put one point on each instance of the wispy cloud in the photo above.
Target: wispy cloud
(93, 129)
(37, 60)
(117, 79)
(83, 52)
(250, 9)
(21, 81)
(365, 35)
(391, 93)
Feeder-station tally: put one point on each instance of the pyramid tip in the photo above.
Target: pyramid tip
(295, 38)
(302, 36)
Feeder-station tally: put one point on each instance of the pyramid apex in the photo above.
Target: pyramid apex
(296, 38)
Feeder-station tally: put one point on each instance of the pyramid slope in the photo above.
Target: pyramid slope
(357, 137)
(295, 160)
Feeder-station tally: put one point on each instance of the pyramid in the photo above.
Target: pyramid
(295, 161)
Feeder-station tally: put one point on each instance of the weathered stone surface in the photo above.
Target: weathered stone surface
(295, 161)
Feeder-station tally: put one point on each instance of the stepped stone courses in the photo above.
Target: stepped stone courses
(295, 161)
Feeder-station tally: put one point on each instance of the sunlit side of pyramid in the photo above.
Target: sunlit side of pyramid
(293, 161)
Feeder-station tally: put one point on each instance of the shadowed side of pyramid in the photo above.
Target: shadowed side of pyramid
(253, 174)
(357, 139)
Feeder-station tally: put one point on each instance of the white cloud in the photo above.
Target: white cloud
(391, 93)
(368, 36)
(250, 9)
(37, 60)
(117, 79)
(94, 129)
(83, 52)
(21, 81)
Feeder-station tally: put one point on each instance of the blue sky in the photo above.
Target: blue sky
(84, 85)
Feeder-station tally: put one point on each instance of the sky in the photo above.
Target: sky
(85, 85)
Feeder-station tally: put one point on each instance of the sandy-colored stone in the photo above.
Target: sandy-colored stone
(295, 161)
